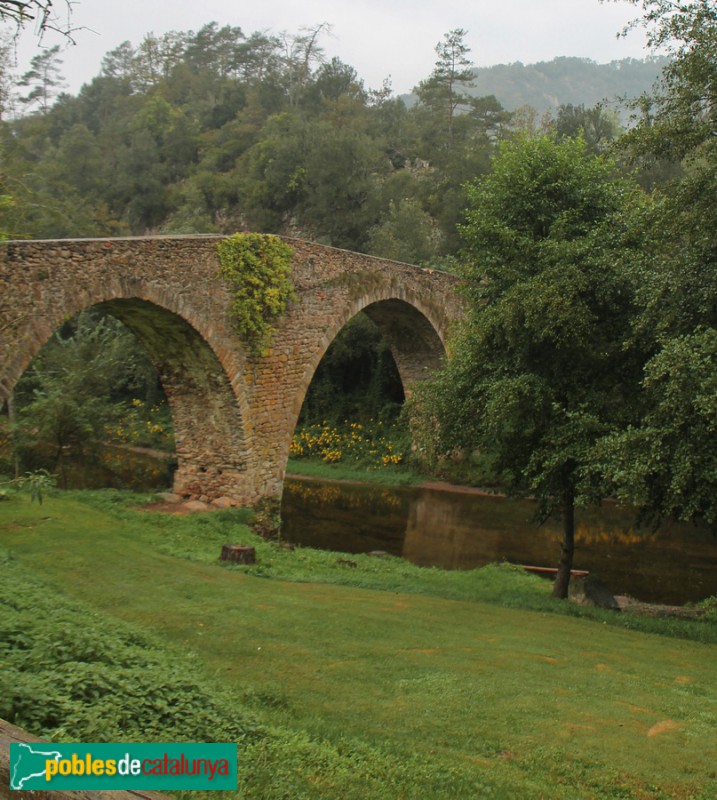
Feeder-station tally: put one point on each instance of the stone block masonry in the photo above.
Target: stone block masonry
(234, 413)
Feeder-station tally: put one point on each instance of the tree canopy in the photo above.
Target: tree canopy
(665, 463)
(539, 373)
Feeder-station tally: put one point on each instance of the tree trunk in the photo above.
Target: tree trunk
(239, 553)
(13, 433)
(562, 579)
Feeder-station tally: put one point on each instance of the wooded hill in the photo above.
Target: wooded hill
(218, 131)
(566, 80)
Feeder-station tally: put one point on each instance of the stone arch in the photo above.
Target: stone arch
(210, 438)
(415, 343)
(211, 432)
(416, 340)
(239, 410)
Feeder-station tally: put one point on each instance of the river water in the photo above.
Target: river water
(455, 528)
(461, 529)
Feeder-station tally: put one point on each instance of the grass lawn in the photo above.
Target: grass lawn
(346, 471)
(387, 680)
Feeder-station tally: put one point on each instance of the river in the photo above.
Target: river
(463, 529)
(454, 528)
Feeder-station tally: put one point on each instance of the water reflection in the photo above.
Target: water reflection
(463, 530)
(113, 467)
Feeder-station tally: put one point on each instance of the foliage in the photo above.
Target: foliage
(364, 444)
(597, 126)
(540, 371)
(665, 463)
(258, 269)
(216, 130)
(76, 388)
(142, 424)
(356, 379)
(100, 680)
(37, 483)
(444, 91)
(43, 79)
(408, 234)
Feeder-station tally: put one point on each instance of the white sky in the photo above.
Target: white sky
(380, 38)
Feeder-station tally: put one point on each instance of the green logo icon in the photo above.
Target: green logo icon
(122, 766)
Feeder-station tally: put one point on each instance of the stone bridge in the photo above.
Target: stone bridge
(234, 413)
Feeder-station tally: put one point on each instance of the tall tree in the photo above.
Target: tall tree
(596, 125)
(44, 79)
(301, 52)
(540, 372)
(443, 90)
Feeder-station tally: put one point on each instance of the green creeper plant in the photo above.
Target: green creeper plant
(257, 267)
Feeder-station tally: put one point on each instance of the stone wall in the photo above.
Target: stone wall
(234, 413)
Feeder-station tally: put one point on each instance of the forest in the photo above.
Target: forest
(217, 131)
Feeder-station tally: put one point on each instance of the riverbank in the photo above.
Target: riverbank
(392, 475)
(382, 679)
(358, 477)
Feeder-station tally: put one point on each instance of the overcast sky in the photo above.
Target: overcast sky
(380, 38)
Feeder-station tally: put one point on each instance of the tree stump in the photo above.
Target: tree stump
(239, 553)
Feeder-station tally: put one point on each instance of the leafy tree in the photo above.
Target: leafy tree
(218, 50)
(119, 63)
(596, 125)
(271, 174)
(336, 92)
(78, 383)
(665, 463)
(407, 234)
(341, 169)
(356, 380)
(539, 372)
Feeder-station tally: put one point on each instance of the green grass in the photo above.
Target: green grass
(387, 680)
(393, 475)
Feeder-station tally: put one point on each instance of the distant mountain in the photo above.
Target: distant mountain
(548, 84)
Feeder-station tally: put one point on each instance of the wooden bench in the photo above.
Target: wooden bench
(575, 573)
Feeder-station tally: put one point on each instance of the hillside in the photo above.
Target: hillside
(548, 84)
